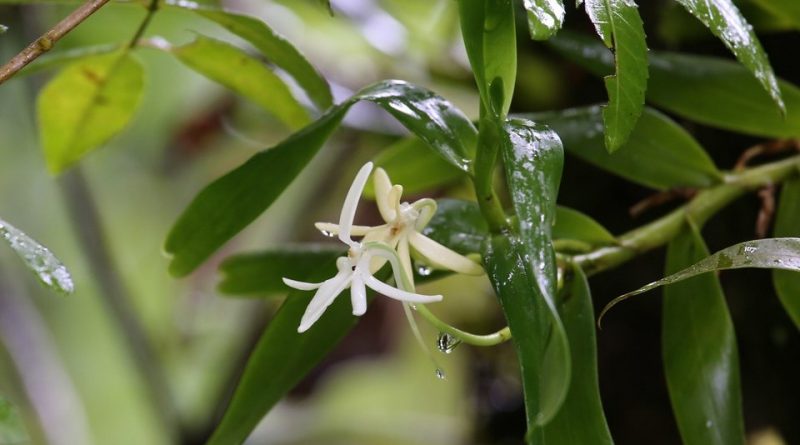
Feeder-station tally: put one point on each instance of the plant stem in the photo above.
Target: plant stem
(492, 339)
(152, 7)
(707, 203)
(49, 38)
(485, 159)
(87, 223)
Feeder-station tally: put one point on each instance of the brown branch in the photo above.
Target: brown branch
(659, 199)
(767, 210)
(48, 39)
(766, 148)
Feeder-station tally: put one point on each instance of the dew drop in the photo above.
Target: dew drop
(327, 233)
(424, 270)
(709, 423)
(440, 374)
(446, 343)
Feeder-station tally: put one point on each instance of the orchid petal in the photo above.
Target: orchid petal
(393, 292)
(405, 259)
(351, 203)
(426, 208)
(324, 297)
(383, 187)
(358, 295)
(388, 252)
(333, 229)
(441, 257)
(394, 197)
(301, 285)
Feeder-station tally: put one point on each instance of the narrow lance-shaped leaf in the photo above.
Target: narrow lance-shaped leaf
(87, 104)
(659, 153)
(533, 160)
(243, 74)
(282, 358)
(230, 203)
(411, 163)
(708, 90)
(49, 269)
(619, 25)
(261, 273)
(701, 361)
(725, 21)
(581, 419)
(545, 17)
(490, 38)
(769, 253)
(787, 223)
(574, 225)
(273, 46)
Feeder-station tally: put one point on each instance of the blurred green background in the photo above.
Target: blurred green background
(67, 358)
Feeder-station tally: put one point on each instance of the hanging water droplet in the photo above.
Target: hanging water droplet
(440, 374)
(446, 343)
(424, 270)
(327, 233)
(709, 424)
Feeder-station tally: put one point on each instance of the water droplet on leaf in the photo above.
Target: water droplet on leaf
(327, 233)
(440, 374)
(424, 270)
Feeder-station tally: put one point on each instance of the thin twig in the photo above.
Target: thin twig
(767, 148)
(767, 210)
(152, 7)
(659, 199)
(48, 39)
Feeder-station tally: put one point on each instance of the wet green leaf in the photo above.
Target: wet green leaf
(458, 225)
(538, 335)
(87, 104)
(523, 269)
(727, 23)
(412, 163)
(574, 225)
(707, 90)
(701, 361)
(282, 358)
(245, 75)
(769, 253)
(620, 27)
(273, 46)
(489, 36)
(12, 427)
(581, 419)
(545, 17)
(659, 153)
(48, 269)
(787, 223)
(231, 202)
(258, 274)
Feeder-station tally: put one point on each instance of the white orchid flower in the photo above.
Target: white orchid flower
(402, 231)
(354, 270)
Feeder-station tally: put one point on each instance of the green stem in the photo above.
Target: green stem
(492, 339)
(700, 209)
(485, 159)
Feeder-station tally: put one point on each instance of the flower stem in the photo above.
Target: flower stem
(492, 339)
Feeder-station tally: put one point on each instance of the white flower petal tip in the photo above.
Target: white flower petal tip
(301, 285)
(351, 203)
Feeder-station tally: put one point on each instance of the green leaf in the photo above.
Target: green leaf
(49, 269)
(258, 274)
(57, 59)
(701, 361)
(619, 25)
(538, 335)
(458, 225)
(87, 104)
(533, 160)
(707, 90)
(659, 153)
(581, 419)
(545, 17)
(273, 46)
(769, 253)
(281, 358)
(490, 38)
(785, 9)
(787, 223)
(243, 74)
(574, 225)
(231, 202)
(12, 427)
(727, 23)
